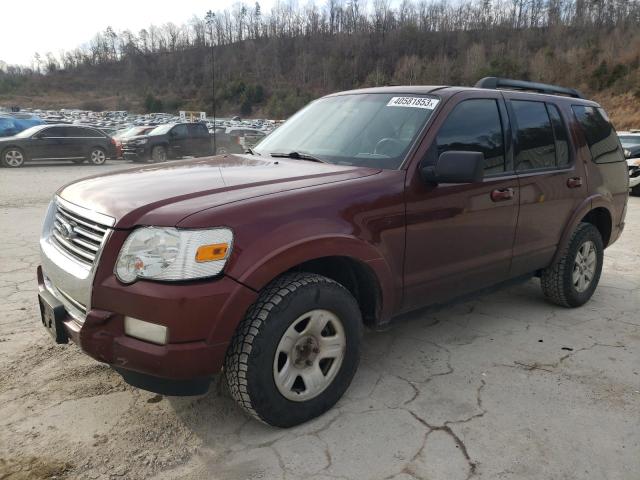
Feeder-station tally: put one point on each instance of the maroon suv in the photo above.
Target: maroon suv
(364, 205)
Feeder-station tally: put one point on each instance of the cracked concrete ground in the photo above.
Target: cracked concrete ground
(505, 386)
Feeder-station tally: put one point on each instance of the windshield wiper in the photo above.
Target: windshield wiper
(298, 156)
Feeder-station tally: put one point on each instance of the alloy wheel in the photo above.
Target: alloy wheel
(309, 355)
(98, 157)
(584, 267)
(14, 158)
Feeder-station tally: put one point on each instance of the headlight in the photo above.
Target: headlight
(142, 141)
(627, 153)
(173, 254)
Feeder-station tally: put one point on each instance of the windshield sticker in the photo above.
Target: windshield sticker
(415, 102)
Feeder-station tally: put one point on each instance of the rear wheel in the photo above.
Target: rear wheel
(571, 281)
(97, 156)
(13, 157)
(158, 154)
(296, 351)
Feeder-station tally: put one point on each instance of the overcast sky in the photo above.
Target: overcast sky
(43, 26)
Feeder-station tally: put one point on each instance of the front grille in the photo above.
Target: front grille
(77, 236)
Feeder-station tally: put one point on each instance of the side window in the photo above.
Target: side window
(535, 142)
(560, 133)
(54, 132)
(89, 132)
(600, 135)
(197, 130)
(179, 131)
(474, 126)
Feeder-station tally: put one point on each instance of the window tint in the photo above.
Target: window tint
(600, 135)
(475, 126)
(55, 132)
(179, 130)
(535, 141)
(197, 130)
(560, 133)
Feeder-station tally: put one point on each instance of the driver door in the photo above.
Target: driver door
(460, 236)
(178, 141)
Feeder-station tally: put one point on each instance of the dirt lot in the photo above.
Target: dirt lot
(502, 387)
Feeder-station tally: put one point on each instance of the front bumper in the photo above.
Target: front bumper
(135, 153)
(206, 314)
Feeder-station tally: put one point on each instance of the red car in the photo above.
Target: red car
(364, 205)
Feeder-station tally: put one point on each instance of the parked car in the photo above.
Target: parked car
(631, 144)
(365, 205)
(56, 142)
(173, 140)
(11, 124)
(238, 139)
(128, 133)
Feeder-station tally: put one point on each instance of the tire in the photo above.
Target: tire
(13, 157)
(635, 191)
(158, 154)
(97, 156)
(564, 282)
(295, 304)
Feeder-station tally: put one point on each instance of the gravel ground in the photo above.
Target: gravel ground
(506, 386)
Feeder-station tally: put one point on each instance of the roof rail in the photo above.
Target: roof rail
(496, 83)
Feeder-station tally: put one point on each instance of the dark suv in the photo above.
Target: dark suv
(57, 142)
(173, 140)
(365, 205)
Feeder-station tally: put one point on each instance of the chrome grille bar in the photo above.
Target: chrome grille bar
(77, 236)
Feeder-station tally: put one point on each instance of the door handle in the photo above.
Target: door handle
(502, 194)
(574, 182)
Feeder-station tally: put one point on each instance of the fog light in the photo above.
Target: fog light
(150, 332)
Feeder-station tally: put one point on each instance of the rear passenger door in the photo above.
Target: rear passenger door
(199, 140)
(460, 236)
(551, 182)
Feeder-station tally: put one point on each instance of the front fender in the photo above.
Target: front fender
(266, 268)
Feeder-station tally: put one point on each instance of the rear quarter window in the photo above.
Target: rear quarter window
(599, 133)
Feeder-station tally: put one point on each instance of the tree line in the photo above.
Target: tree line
(273, 62)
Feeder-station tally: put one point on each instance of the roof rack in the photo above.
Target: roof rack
(496, 83)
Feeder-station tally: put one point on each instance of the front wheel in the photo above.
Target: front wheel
(97, 156)
(635, 191)
(13, 157)
(158, 154)
(571, 281)
(296, 351)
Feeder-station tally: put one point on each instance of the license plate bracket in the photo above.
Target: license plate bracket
(52, 314)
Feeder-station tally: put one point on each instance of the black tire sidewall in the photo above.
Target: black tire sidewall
(588, 232)
(266, 399)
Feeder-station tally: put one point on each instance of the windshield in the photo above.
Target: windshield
(372, 130)
(630, 140)
(30, 131)
(161, 129)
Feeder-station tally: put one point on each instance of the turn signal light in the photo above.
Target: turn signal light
(210, 253)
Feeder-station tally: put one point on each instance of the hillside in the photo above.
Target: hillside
(271, 64)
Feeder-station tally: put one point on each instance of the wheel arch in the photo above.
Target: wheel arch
(596, 210)
(354, 263)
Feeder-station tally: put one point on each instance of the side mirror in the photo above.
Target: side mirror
(455, 167)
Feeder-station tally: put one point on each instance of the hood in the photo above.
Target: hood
(165, 194)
